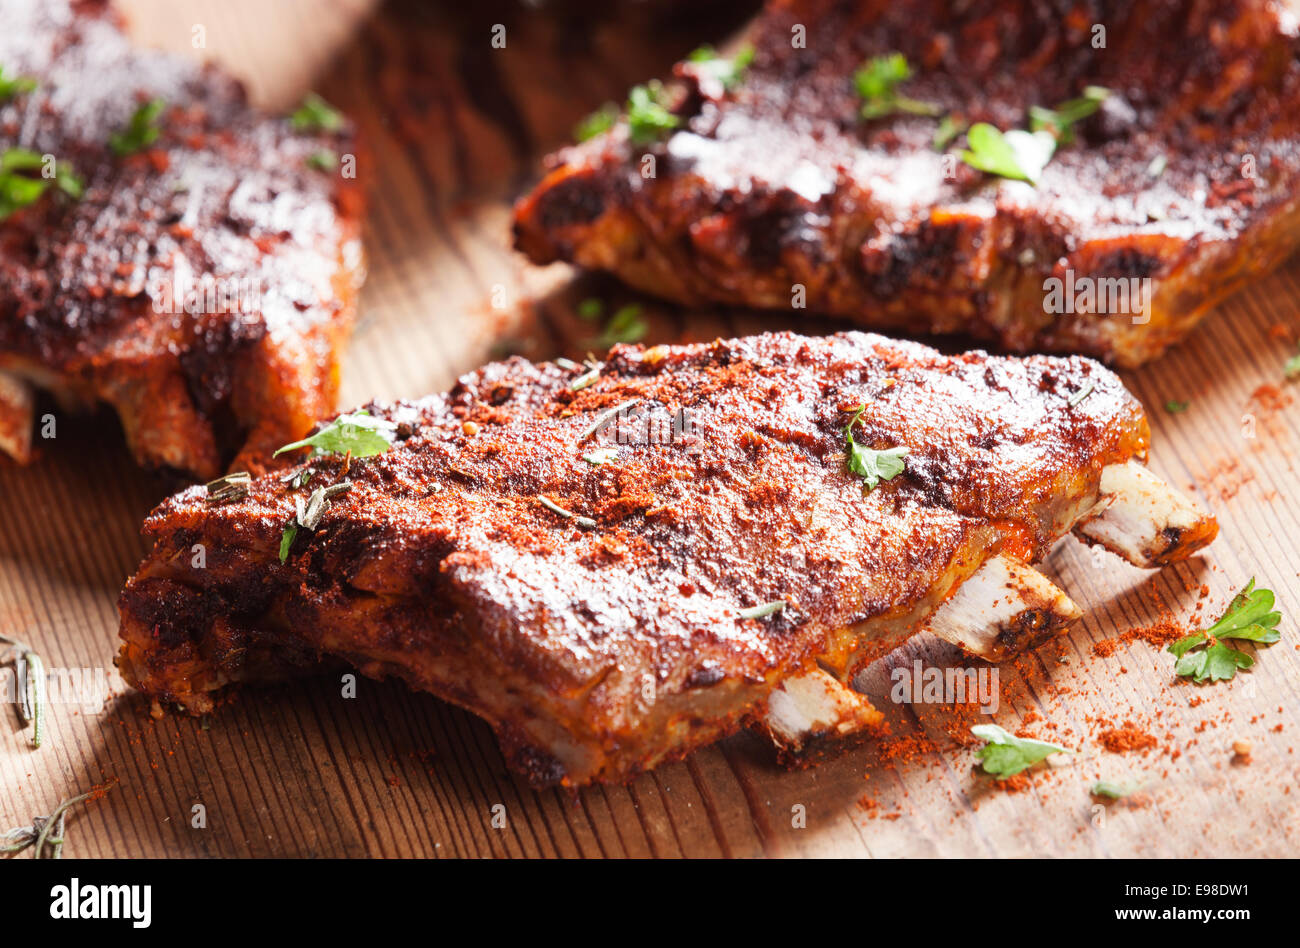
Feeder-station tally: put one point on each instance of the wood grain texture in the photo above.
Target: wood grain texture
(454, 129)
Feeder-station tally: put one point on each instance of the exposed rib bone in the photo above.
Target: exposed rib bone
(810, 707)
(1003, 609)
(17, 409)
(1144, 520)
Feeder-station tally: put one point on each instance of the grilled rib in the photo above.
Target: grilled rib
(202, 284)
(573, 559)
(775, 192)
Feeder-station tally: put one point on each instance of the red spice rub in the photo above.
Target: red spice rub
(1126, 737)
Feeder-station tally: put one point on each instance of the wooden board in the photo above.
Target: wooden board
(454, 130)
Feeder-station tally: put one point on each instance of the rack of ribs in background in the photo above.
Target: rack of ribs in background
(827, 167)
(164, 248)
(607, 599)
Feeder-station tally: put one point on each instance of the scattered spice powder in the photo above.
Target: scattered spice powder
(1159, 634)
(1126, 737)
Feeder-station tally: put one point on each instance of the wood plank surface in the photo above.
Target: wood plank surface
(454, 129)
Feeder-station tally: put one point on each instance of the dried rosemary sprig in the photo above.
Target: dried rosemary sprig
(308, 516)
(296, 479)
(48, 831)
(606, 417)
(567, 514)
(764, 610)
(229, 488)
(31, 693)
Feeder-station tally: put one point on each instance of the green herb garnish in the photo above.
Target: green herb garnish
(647, 117)
(323, 160)
(877, 83)
(764, 610)
(726, 71)
(1249, 616)
(1291, 368)
(590, 308)
(949, 128)
(871, 465)
(597, 123)
(286, 540)
(141, 132)
(1176, 407)
(626, 325)
(315, 115)
(1116, 791)
(16, 86)
(1006, 755)
(18, 189)
(1016, 154)
(359, 434)
(1061, 120)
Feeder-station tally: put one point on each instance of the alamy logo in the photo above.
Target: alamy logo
(921, 685)
(205, 295)
(134, 902)
(1104, 296)
(87, 687)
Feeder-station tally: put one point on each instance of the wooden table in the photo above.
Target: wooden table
(454, 128)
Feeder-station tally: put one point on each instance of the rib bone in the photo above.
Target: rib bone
(17, 408)
(812, 707)
(1141, 518)
(1006, 606)
(1003, 609)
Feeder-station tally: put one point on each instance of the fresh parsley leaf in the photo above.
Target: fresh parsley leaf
(598, 122)
(323, 160)
(625, 325)
(16, 86)
(315, 115)
(141, 132)
(1116, 791)
(1250, 616)
(949, 128)
(286, 541)
(1176, 407)
(591, 308)
(19, 188)
(871, 465)
(1218, 662)
(68, 182)
(1292, 367)
(359, 433)
(1006, 755)
(1061, 120)
(726, 71)
(647, 118)
(1016, 154)
(877, 83)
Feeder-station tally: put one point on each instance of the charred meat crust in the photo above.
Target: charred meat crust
(1188, 175)
(597, 652)
(93, 291)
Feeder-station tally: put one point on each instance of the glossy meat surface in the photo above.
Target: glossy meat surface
(203, 283)
(598, 648)
(1188, 175)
